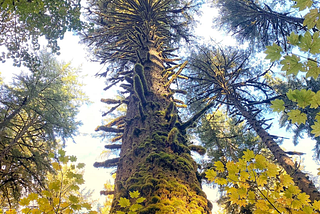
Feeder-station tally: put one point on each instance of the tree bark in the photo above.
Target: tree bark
(155, 159)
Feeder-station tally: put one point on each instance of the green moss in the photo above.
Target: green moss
(160, 113)
(134, 187)
(199, 149)
(141, 111)
(172, 121)
(138, 87)
(172, 136)
(132, 180)
(147, 188)
(139, 69)
(184, 164)
(155, 199)
(151, 209)
(169, 110)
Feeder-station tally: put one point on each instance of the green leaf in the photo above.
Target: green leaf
(87, 206)
(134, 194)
(305, 42)
(273, 52)
(315, 101)
(81, 165)
(124, 202)
(315, 45)
(312, 69)
(311, 19)
(291, 95)
(297, 117)
(303, 97)
(291, 64)
(73, 158)
(51, 155)
(316, 129)
(73, 199)
(302, 4)
(277, 105)
(120, 212)
(61, 152)
(293, 39)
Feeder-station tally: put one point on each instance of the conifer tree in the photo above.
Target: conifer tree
(138, 38)
(224, 77)
(37, 111)
(261, 23)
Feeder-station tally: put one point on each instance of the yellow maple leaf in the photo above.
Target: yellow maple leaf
(219, 166)
(248, 155)
(316, 205)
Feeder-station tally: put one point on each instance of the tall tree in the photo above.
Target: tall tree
(37, 111)
(224, 77)
(138, 37)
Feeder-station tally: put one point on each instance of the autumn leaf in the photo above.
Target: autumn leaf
(260, 162)
(136, 207)
(232, 167)
(211, 175)
(124, 202)
(316, 205)
(248, 155)
(140, 200)
(221, 181)
(24, 201)
(219, 166)
(56, 166)
(304, 198)
(134, 194)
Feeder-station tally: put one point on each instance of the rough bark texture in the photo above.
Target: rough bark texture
(300, 178)
(155, 158)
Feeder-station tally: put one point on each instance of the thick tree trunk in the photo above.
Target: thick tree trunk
(300, 178)
(155, 159)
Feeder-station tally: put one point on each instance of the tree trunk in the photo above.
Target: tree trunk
(300, 178)
(155, 159)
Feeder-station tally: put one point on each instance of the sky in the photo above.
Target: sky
(88, 148)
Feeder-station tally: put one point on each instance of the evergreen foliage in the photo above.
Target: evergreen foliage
(37, 111)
